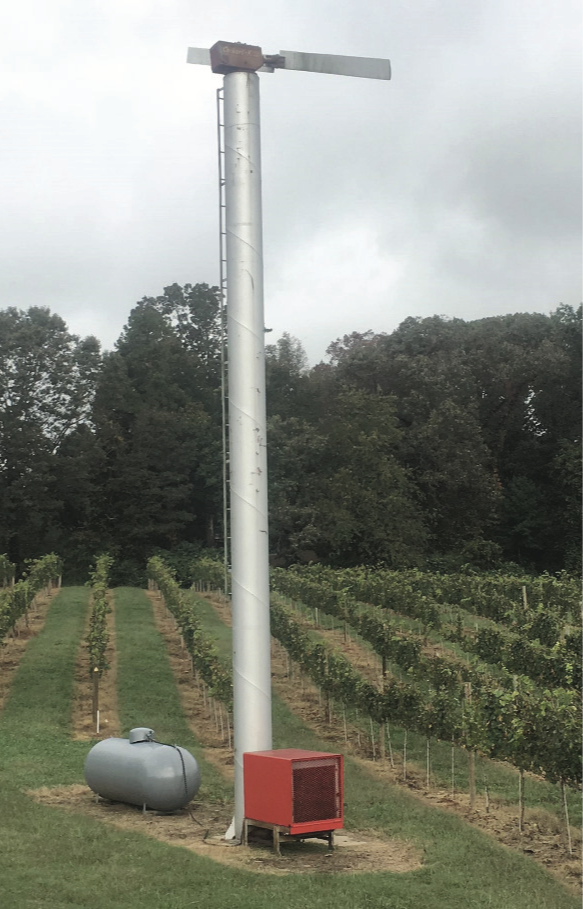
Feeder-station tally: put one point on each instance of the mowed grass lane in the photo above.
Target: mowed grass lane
(35, 744)
(147, 693)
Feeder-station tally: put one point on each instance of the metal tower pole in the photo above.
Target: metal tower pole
(247, 425)
(246, 357)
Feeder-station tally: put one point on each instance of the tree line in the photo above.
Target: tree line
(445, 442)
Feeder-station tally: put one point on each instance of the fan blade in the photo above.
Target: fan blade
(365, 67)
(199, 55)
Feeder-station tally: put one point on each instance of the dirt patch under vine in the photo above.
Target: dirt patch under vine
(200, 829)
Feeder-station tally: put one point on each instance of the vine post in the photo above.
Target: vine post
(95, 696)
(98, 637)
(471, 757)
(520, 801)
(428, 761)
(566, 810)
(390, 744)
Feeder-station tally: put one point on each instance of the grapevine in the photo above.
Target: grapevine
(208, 574)
(203, 652)
(17, 599)
(98, 636)
(555, 667)
(509, 723)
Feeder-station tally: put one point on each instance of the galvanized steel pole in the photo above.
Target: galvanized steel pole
(247, 425)
(246, 357)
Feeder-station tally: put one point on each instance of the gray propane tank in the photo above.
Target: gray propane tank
(142, 772)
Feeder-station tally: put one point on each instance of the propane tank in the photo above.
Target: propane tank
(142, 772)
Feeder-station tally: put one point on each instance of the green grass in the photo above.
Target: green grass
(35, 747)
(50, 859)
(213, 626)
(147, 693)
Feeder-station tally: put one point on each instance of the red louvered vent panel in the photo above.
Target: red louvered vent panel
(294, 788)
(315, 790)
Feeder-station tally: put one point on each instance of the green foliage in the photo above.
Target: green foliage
(7, 571)
(505, 716)
(422, 367)
(444, 440)
(382, 587)
(204, 654)
(208, 572)
(15, 601)
(157, 416)
(47, 382)
(286, 368)
(180, 560)
(98, 636)
(534, 644)
(337, 486)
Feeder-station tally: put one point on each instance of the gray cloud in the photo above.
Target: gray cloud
(453, 189)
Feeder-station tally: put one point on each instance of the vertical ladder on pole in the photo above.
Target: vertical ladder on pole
(224, 353)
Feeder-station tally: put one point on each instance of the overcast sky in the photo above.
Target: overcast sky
(453, 189)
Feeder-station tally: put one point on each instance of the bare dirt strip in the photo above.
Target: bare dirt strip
(200, 829)
(13, 647)
(83, 726)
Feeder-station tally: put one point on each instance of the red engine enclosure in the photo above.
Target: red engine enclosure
(300, 790)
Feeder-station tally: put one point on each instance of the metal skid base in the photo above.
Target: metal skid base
(277, 829)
